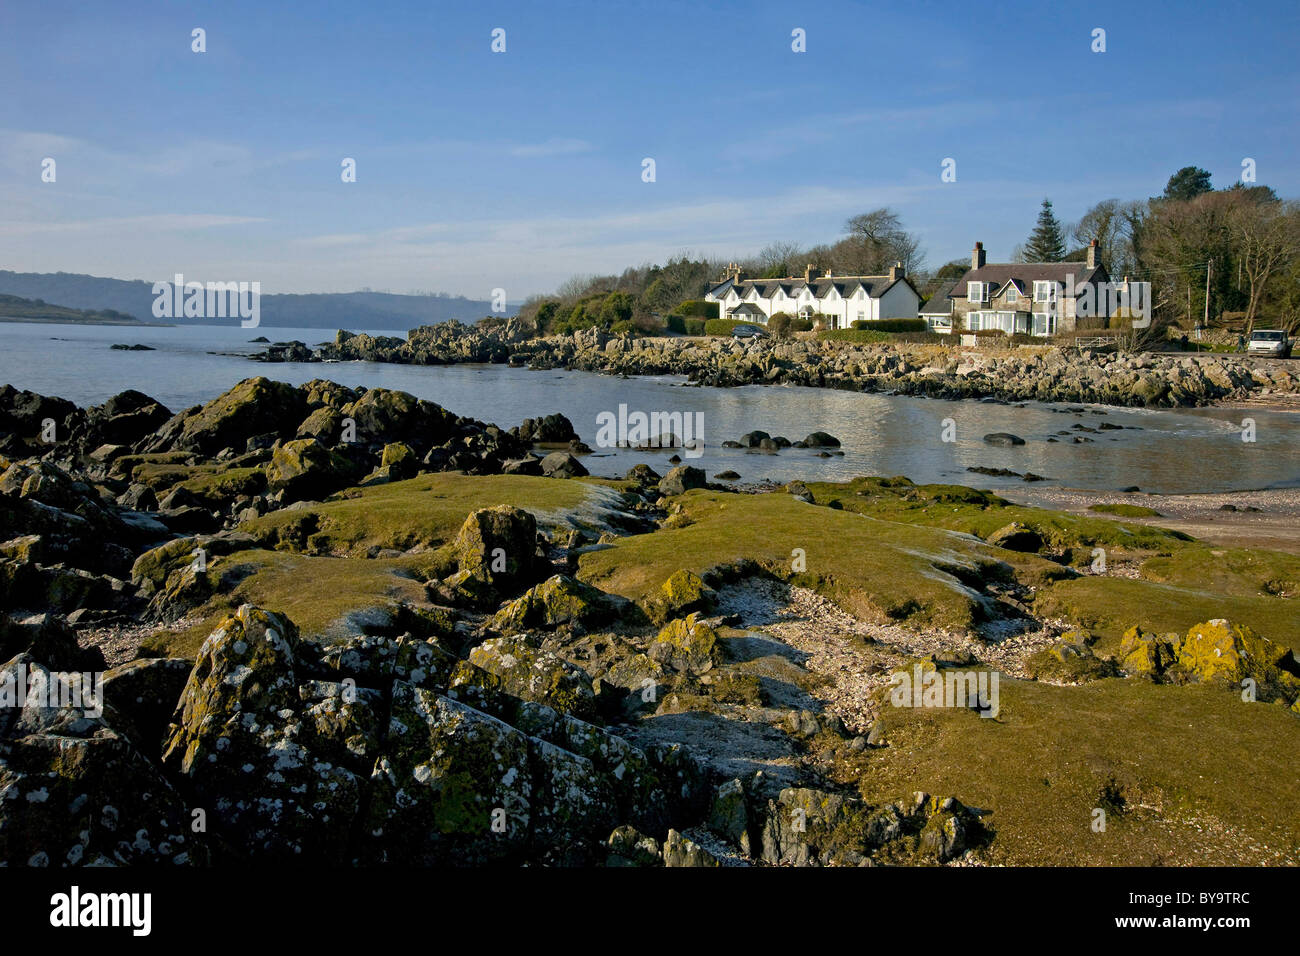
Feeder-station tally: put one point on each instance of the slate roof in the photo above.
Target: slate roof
(1023, 274)
(940, 303)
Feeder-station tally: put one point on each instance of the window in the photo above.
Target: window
(1044, 324)
(1044, 291)
(1012, 294)
(977, 291)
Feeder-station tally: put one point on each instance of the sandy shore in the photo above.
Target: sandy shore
(1275, 525)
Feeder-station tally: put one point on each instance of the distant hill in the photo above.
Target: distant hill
(16, 309)
(361, 310)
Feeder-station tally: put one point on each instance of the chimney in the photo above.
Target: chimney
(977, 256)
(808, 271)
(1092, 254)
(896, 272)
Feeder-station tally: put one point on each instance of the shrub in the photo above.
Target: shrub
(779, 325)
(854, 335)
(869, 336)
(800, 325)
(724, 326)
(697, 309)
(891, 325)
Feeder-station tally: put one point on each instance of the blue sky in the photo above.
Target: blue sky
(517, 170)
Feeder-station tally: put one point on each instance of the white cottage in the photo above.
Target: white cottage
(839, 300)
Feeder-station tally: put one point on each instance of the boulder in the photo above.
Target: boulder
(304, 469)
(255, 406)
(687, 644)
(559, 601)
(1016, 537)
(75, 791)
(528, 672)
(273, 780)
(821, 440)
(498, 546)
(561, 464)
(1003, 438)
(683, 593)
(682, 479)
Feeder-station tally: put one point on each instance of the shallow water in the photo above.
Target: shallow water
(1158, 451)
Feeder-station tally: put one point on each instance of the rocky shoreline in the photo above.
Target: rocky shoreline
(1043, 374)
(352, 627)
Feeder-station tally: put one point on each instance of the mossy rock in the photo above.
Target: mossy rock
(528, 672)
(498, 546)
(1070, 660)
(1146, 655)
(559, 601)
(683, 593)
(1221, 652)
(687, 644)
(255, 406)
(305, 469)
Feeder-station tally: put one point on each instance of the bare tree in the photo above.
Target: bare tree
(877, 240)
(1265, 237)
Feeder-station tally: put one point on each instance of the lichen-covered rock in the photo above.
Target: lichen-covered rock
(729, 814)
(683, 593)
(246, 745)
(680, 851)
(1221, 652)
(687, 644)
(376, 661)
(559, 601)
(253, 407)
(75, 791)
(1142, 654)
(304, 469)
(807, 827)
(628, 846)
(401, 461)
(498, 546)
(534, 674)
(383, 416)
(1071, 660)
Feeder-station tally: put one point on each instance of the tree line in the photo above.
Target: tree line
(1231, 253)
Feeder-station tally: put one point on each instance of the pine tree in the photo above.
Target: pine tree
(1047, 241)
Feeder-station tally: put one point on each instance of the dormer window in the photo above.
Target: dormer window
(1012, 295)
(1044, 291)
(977, 291)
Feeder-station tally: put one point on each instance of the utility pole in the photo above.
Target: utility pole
(1209, 266)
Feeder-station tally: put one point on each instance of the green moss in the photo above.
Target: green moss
(316, 593)
(1111, 605)
(981, 513)
(423, 512)
(1243, 572)
(1125, 511)
(1208, 779)
(226, 484)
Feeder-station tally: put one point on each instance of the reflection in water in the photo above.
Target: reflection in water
(1159, 451)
